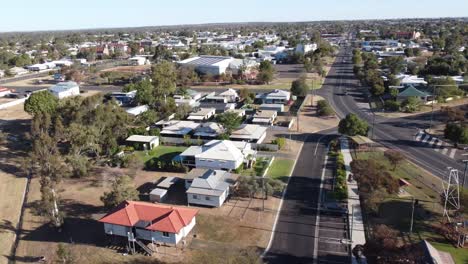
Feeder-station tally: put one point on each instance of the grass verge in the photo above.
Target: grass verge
(280, 169)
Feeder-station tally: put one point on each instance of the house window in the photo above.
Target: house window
(165, 234)
(207, 198)
(195, 197)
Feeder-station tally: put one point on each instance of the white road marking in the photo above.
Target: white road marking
(426, 138)
(419, 135)
(438, 145)
(452, 153)
(432, 141)
(444, 151)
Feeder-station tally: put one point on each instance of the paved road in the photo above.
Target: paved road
(296, 231)
(397, 133)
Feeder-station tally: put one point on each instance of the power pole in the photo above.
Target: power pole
(464, 173)
(412, 215)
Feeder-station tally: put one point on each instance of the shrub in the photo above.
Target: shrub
(280, 142)
(391, 105)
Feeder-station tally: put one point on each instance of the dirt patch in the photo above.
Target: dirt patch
(130, 69)
(40, 82)
(240, 222)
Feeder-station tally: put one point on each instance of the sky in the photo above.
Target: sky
(33, 15)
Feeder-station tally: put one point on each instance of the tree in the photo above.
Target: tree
(394, 157)
(352, 125)
(266, 72)
(229, 121)
(164, 78)
(122, 190)
(457, 133)
(324, 108)
(300, 87)
(41, 102)
(145, 92)
(411, 104)
(64, 254)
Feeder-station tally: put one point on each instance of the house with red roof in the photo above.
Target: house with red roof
(151, 222)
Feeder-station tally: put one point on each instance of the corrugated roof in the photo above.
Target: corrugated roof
(411, 91)
(160, 217)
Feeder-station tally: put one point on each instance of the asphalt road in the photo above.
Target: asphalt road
(394, 133)
(297, 232)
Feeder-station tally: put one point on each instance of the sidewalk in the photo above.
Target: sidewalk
(356, 223)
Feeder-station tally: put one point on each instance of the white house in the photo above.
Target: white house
(137, 61)
(274, 97)
(137, 110)
(264, 117)
(214, 65)
(231, 95)
(150, 222)
(414, 80)
(149, 142)
(305, 48)
(65, 89)
(16, 71)
(218, 154)
(249, 133)
(202, 114)
(208, 187)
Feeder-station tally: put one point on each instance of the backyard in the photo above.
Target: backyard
(428, 212)
(162, 153)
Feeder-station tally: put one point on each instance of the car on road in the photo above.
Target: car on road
(333, 208)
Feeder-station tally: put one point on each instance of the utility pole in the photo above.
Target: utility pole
(412, 215)
(432, 111)
(464, 172)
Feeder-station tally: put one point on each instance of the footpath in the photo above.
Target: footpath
(355, 219)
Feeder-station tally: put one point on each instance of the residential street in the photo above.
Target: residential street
(296, 230)
(399, 134)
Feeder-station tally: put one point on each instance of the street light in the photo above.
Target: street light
(464, 172)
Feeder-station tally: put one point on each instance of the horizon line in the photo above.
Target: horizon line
(224, 23)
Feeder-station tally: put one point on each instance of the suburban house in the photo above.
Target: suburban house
(414, 80)
(65, 89)
(190, 97)
(413, 92)
(249, 133)
(219, 154)
(214, 65)
(174, 131)
(143, 142)
(137, 110)
(240, 112)
(231, 95)
(138, 61)
(305, 48)
(274, 97)
(122, 98)
(209, 187)
(202, 114)
(156, 223)
(264, 117)
(208, 131)
(245, 67)
(272, 107)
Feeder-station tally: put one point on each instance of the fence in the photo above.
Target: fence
(12, 103)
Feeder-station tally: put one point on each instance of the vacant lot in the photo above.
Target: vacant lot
(129, 69)
(14, 122)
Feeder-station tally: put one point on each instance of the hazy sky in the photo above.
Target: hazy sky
(30, 15)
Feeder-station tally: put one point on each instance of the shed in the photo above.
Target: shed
(157, 195)
(362, 142)
(167, 182)
(148, 141)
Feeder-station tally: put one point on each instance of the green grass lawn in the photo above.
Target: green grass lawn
(164, 153)
(258, 169)
(280, 169)
(460, 256)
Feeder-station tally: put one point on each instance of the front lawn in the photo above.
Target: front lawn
(280, 169)
(162, 153)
